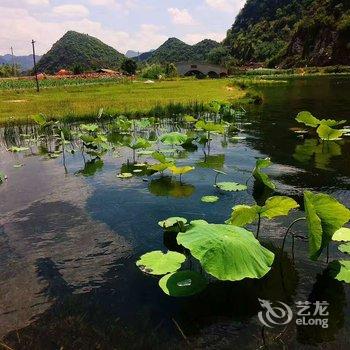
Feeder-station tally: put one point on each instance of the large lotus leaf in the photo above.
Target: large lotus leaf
(308, 119)
(226, 252)
(328, 134)
(342, 235)
(278, 206)
(230, 186)
(262, 177)
(210, 126)
(158, 263)
(209, 199)
(340, 270)
(182, 283)
(173, 138)
(181, 170)
(170, 222)
(89, 127)
(243, 215)
(345, 248)
(325, 215)
(159, 156)
(189, 119)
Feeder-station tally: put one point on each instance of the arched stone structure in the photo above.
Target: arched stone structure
(206, 69)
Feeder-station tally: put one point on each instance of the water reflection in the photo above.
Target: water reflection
(168, 186)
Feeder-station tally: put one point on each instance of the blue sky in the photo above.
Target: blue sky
(124, 24)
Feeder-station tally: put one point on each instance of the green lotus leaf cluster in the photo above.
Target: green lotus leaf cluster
(228, 253)
(324, 126)
(230, 186)
(90, 127)
(158, 263)
(325, 216)
(209, 199)
(140, 143)
(276, 206)
(260, 176)
(182, 283)
(121, 124)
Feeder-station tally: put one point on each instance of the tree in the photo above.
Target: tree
(170, 70)
(129, 66)
(219, 55)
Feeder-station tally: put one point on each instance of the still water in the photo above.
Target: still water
(69, 239)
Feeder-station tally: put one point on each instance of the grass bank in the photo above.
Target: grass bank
(135, 98)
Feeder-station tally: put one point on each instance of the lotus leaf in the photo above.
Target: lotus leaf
(328, 134)
(182, 283)
(275, 206)
(210, 199)
(332, 122)
(158, 263)
(160, 167)
(40, 119)
(173, 138)
(230, 186)
(342, 235)
(345, 248)
(210, 127)
(308, 119)
(140, 143)
(226, 252)
(170, 222)
(181, 170)
(262, 177)
(90, 127)
(189, 119)
(325, 215)
(340, 270)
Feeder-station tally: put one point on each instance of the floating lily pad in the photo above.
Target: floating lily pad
(210, 199)
(345, 248)
(158, 263)
(125, 176)
(182, 283)
(231, 186)
(227, 252)
(342, 235)
(18, 165)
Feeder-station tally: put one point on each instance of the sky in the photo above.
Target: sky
(138, 25)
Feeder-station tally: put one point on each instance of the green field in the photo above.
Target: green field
(114, 97)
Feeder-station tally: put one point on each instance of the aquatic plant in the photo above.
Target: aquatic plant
(138, 144)
(209, 199)
(173, 138)
(180, 170)
(274, 207)
(2, 177)
(173, 224)
(230, 186)
(261, 177)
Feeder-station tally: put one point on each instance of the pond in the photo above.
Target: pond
(70, 235)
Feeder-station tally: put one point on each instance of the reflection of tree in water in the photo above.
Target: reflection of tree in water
(167, 186)
(326, 288)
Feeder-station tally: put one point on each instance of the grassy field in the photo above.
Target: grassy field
(114, 98)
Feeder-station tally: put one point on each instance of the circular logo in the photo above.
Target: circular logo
(274, 315)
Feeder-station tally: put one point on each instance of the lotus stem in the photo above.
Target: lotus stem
(249, 178)
(258, 229)
(289, 229)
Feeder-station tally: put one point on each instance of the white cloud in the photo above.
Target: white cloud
(226, 5)
(71, 11)
(195, 38)
(14, 33)
(181, 16)
(102, 2)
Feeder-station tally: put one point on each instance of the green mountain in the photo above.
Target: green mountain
(291, 32)
(24, 62)
(175, 50)
(79, 49)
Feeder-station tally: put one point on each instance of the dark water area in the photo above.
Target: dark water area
(69, 240)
